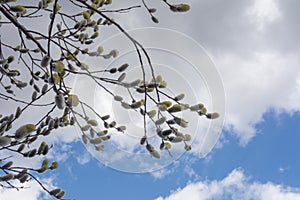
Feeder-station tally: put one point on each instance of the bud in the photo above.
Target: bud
(3, 61)
(143, 140)
(18, 9)
(113, 70)
(100, 147)
(167, 145)
(59, 67)
(44, 88)
(55, 191)
(10, 59)
(42, 147)
(60, 101)
(21, 147)
(180, 7)
(118, 98)
(163, 84)
(30, 153)
(42, 169)
(166, 132)
(125, 105)
(95, 35)
(18, 112)
(185, 106)
(121, 128)
(51, 124)
(37, 89)
(7, 165)
(45, 61)
(166, 104)
(84, 139)
(149, 147)
(60, 194)
(4, 141)
(154, 19)
(134, 83)
(20, 84)
(23, 178)
(46, 149)
(171, 121)
(92, 133)
(105, 117)
(123, 67)
(45, 162)
(196, 107)
(158, 79)
(136, 104)
(175, 108)
(20, 174)
(100, 50)
(73, 100)
(187, 137)
(162, 146)
(176, 139)
(181, 122)
(93, 53)
(36, 50)
(24, 131)
(202, 111)
(155, 154)
(160, 121)
(152, 10)
(81, 24)
(179, 97)
(122, 77)
(92, 122)
(187, 147)
(102, 133)
(152, 113)
(96, 141)
(86, 127)
(212, 115)
(7, 177)
(86, 15)
(162, 108)
(159, 131)
(112, 124)
(34, 96)
(106, 137)
(114, 53)
(54, 165)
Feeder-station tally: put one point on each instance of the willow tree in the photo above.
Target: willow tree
(53, 39)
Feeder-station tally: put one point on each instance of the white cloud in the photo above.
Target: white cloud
(31, 191)
(84, 158)
(162, 173)
(247, 40)
(235, 186)
(254, 86)
(253, 46)
(263, 12)
(191, 173)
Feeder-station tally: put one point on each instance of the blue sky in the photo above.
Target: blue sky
(270, 157)
(254, 46)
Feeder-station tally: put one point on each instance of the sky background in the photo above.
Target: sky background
(254, 45)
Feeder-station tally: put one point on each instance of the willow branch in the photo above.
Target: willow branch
(21, 27)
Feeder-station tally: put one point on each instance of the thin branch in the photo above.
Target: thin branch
(21, 27)
(6, 97)
(135, 42)
(121, 10)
